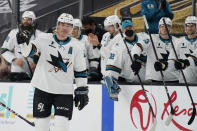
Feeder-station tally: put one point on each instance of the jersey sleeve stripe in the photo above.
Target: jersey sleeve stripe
(113, 68)
(3, 50)
(82, 74)
(194, 58)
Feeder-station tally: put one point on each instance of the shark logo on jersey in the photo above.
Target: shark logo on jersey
(146, 41)
(189, 54)
(58, 63)
(165, 56)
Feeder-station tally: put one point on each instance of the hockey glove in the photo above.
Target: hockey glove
(81, 97)
(136, 65)
(112, 87)
(23, 36)
(161, 65)
(181, 64)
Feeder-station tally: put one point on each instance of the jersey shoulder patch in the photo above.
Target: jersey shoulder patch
(146, 41)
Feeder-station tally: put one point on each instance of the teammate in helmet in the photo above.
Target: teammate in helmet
(11, 50)
(28, 21)
(186, 49)
(62, 58)
(120, 64)
(92, 54)
(112, 26)
(163, 47)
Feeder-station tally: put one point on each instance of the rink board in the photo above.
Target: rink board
(130, 113)
(19, 97)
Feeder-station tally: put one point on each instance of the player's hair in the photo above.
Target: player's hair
(87, 20)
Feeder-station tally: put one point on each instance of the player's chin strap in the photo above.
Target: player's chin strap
(162, 76)
(3, 105)
(186, 84)
(155, 120)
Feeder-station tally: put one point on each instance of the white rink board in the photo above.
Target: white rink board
(19, 97)
(130, 103)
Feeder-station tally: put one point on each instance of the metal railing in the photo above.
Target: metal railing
(194, 7)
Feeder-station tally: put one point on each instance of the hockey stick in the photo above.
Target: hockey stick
(162, 76)
(155, 120)
(3, 105)
(186, 84)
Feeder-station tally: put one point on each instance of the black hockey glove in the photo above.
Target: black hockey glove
(81, 97)
(136, 65)
(161, 65)
(23, 36)
(181, 64)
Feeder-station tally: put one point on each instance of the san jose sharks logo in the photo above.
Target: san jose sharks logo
(165, 56)
(58, 63)
(189, 54)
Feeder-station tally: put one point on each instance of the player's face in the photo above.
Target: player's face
(110, 29)
(75, 32)
(26, 21)
(190, 29)
(87, 27)
(64, 29)
(163, 30)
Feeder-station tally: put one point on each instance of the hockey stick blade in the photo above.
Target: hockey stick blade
(31, 123)
(153, 125)
(193, 115)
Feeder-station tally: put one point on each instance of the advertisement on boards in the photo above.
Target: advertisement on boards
(132, 112)
(19, 97)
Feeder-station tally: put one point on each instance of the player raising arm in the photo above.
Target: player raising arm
(60, 61)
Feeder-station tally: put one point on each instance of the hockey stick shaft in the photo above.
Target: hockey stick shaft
(31, 72)
(138, 76)
(3, 105)
(162, 76)
(186, 84)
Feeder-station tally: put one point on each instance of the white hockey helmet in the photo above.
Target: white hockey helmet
(112, 20)
(65, 18)
(191, 20)
(77, 23)
(167, 20)
(29, 14)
